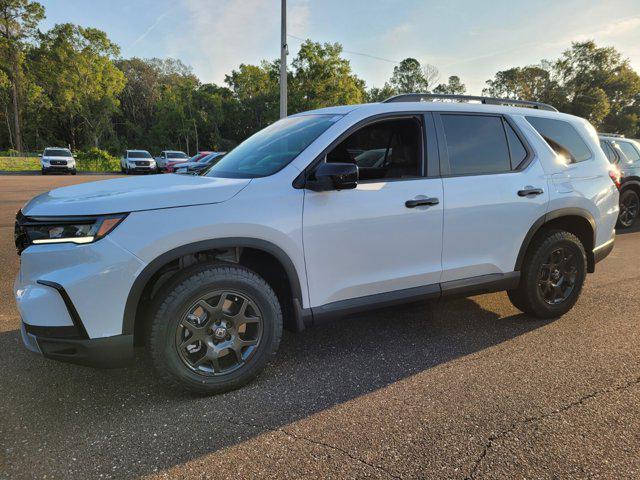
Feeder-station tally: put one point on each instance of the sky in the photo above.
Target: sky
(471, 39)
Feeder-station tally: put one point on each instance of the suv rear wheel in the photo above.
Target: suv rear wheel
(214, 328)
(629, 209)
(552, 275)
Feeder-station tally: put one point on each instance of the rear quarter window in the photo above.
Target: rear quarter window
(562, 137)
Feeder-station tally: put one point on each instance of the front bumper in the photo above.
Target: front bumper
(58, 343)
(59, 168)
(72, 299)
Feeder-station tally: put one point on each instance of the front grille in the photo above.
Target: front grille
(142, 163)
(58, 162)
(20, 236)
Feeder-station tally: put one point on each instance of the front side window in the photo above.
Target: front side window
(629, 150)
(477, 144)
(57, 152)
(562, 138)
(383, 150)
(272, 148)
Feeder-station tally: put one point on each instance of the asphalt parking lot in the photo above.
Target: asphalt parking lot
(469, 388)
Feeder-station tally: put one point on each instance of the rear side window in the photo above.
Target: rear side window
(476, 144)
(608, 151)
(562, 138)
(630, 151)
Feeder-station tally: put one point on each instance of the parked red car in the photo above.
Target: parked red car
(171, 164)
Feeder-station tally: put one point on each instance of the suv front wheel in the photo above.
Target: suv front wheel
(552, 275)
(214, 328)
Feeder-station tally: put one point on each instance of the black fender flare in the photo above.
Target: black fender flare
(547, 217)
(135, 293)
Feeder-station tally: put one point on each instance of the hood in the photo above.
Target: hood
(134, 194)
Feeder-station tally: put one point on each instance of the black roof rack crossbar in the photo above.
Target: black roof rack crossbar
(428, 97)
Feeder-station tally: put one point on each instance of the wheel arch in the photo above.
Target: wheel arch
(577, 221)
(633, 184)
(153, 268)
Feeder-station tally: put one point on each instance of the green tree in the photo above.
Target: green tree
(599, 83)
(255, 94)
(18, 22)
(74, 66)
(411, 77)
(454, 86)
(322, 78)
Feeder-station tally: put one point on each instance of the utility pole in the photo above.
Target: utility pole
(283, 60)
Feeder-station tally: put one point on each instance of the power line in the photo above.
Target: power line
(368, 55)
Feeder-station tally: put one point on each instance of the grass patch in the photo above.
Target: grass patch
(86, 164)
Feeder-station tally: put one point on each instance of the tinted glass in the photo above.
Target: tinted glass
(57, 152)
(177, 155)
(273, 148)
(630, 151)
(139, 155)
(518, 152)
(562, 138)
(383, 150)
(608, 151)
(476, 144)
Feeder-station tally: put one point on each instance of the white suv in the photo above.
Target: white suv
(57, 159)
(324, 213)
(137, 161)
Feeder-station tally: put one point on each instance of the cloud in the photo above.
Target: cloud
(225, 33)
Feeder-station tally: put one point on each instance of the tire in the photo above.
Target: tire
(73, 172)
(44, 172)
(171, 309)
(127, 171)
(553, 274)
(629, 209)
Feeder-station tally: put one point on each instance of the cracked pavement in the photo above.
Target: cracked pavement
(468, 388)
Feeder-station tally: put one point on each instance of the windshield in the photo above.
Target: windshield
(57, 152)
(177, 155)
(139, 155)
(271, 149)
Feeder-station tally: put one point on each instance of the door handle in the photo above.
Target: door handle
(530, 191)
(421, 201)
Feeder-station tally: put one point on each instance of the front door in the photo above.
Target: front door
(386, 234)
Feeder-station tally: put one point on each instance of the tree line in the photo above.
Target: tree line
(70, 86)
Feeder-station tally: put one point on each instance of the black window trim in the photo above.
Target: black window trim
(419, 116)
(445, 167)
(616, 156)
(571, 164)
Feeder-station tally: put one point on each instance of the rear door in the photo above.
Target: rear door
(494, 191)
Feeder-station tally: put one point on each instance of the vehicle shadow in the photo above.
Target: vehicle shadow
(84, 420)
(633, 229)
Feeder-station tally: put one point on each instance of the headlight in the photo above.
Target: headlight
(41, 230)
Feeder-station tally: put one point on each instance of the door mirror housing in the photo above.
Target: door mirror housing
(333, 176)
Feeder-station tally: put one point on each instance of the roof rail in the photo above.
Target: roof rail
(618, 135)
(429, 97)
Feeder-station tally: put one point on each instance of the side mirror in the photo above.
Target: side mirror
(333, 176)
(40, 155)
